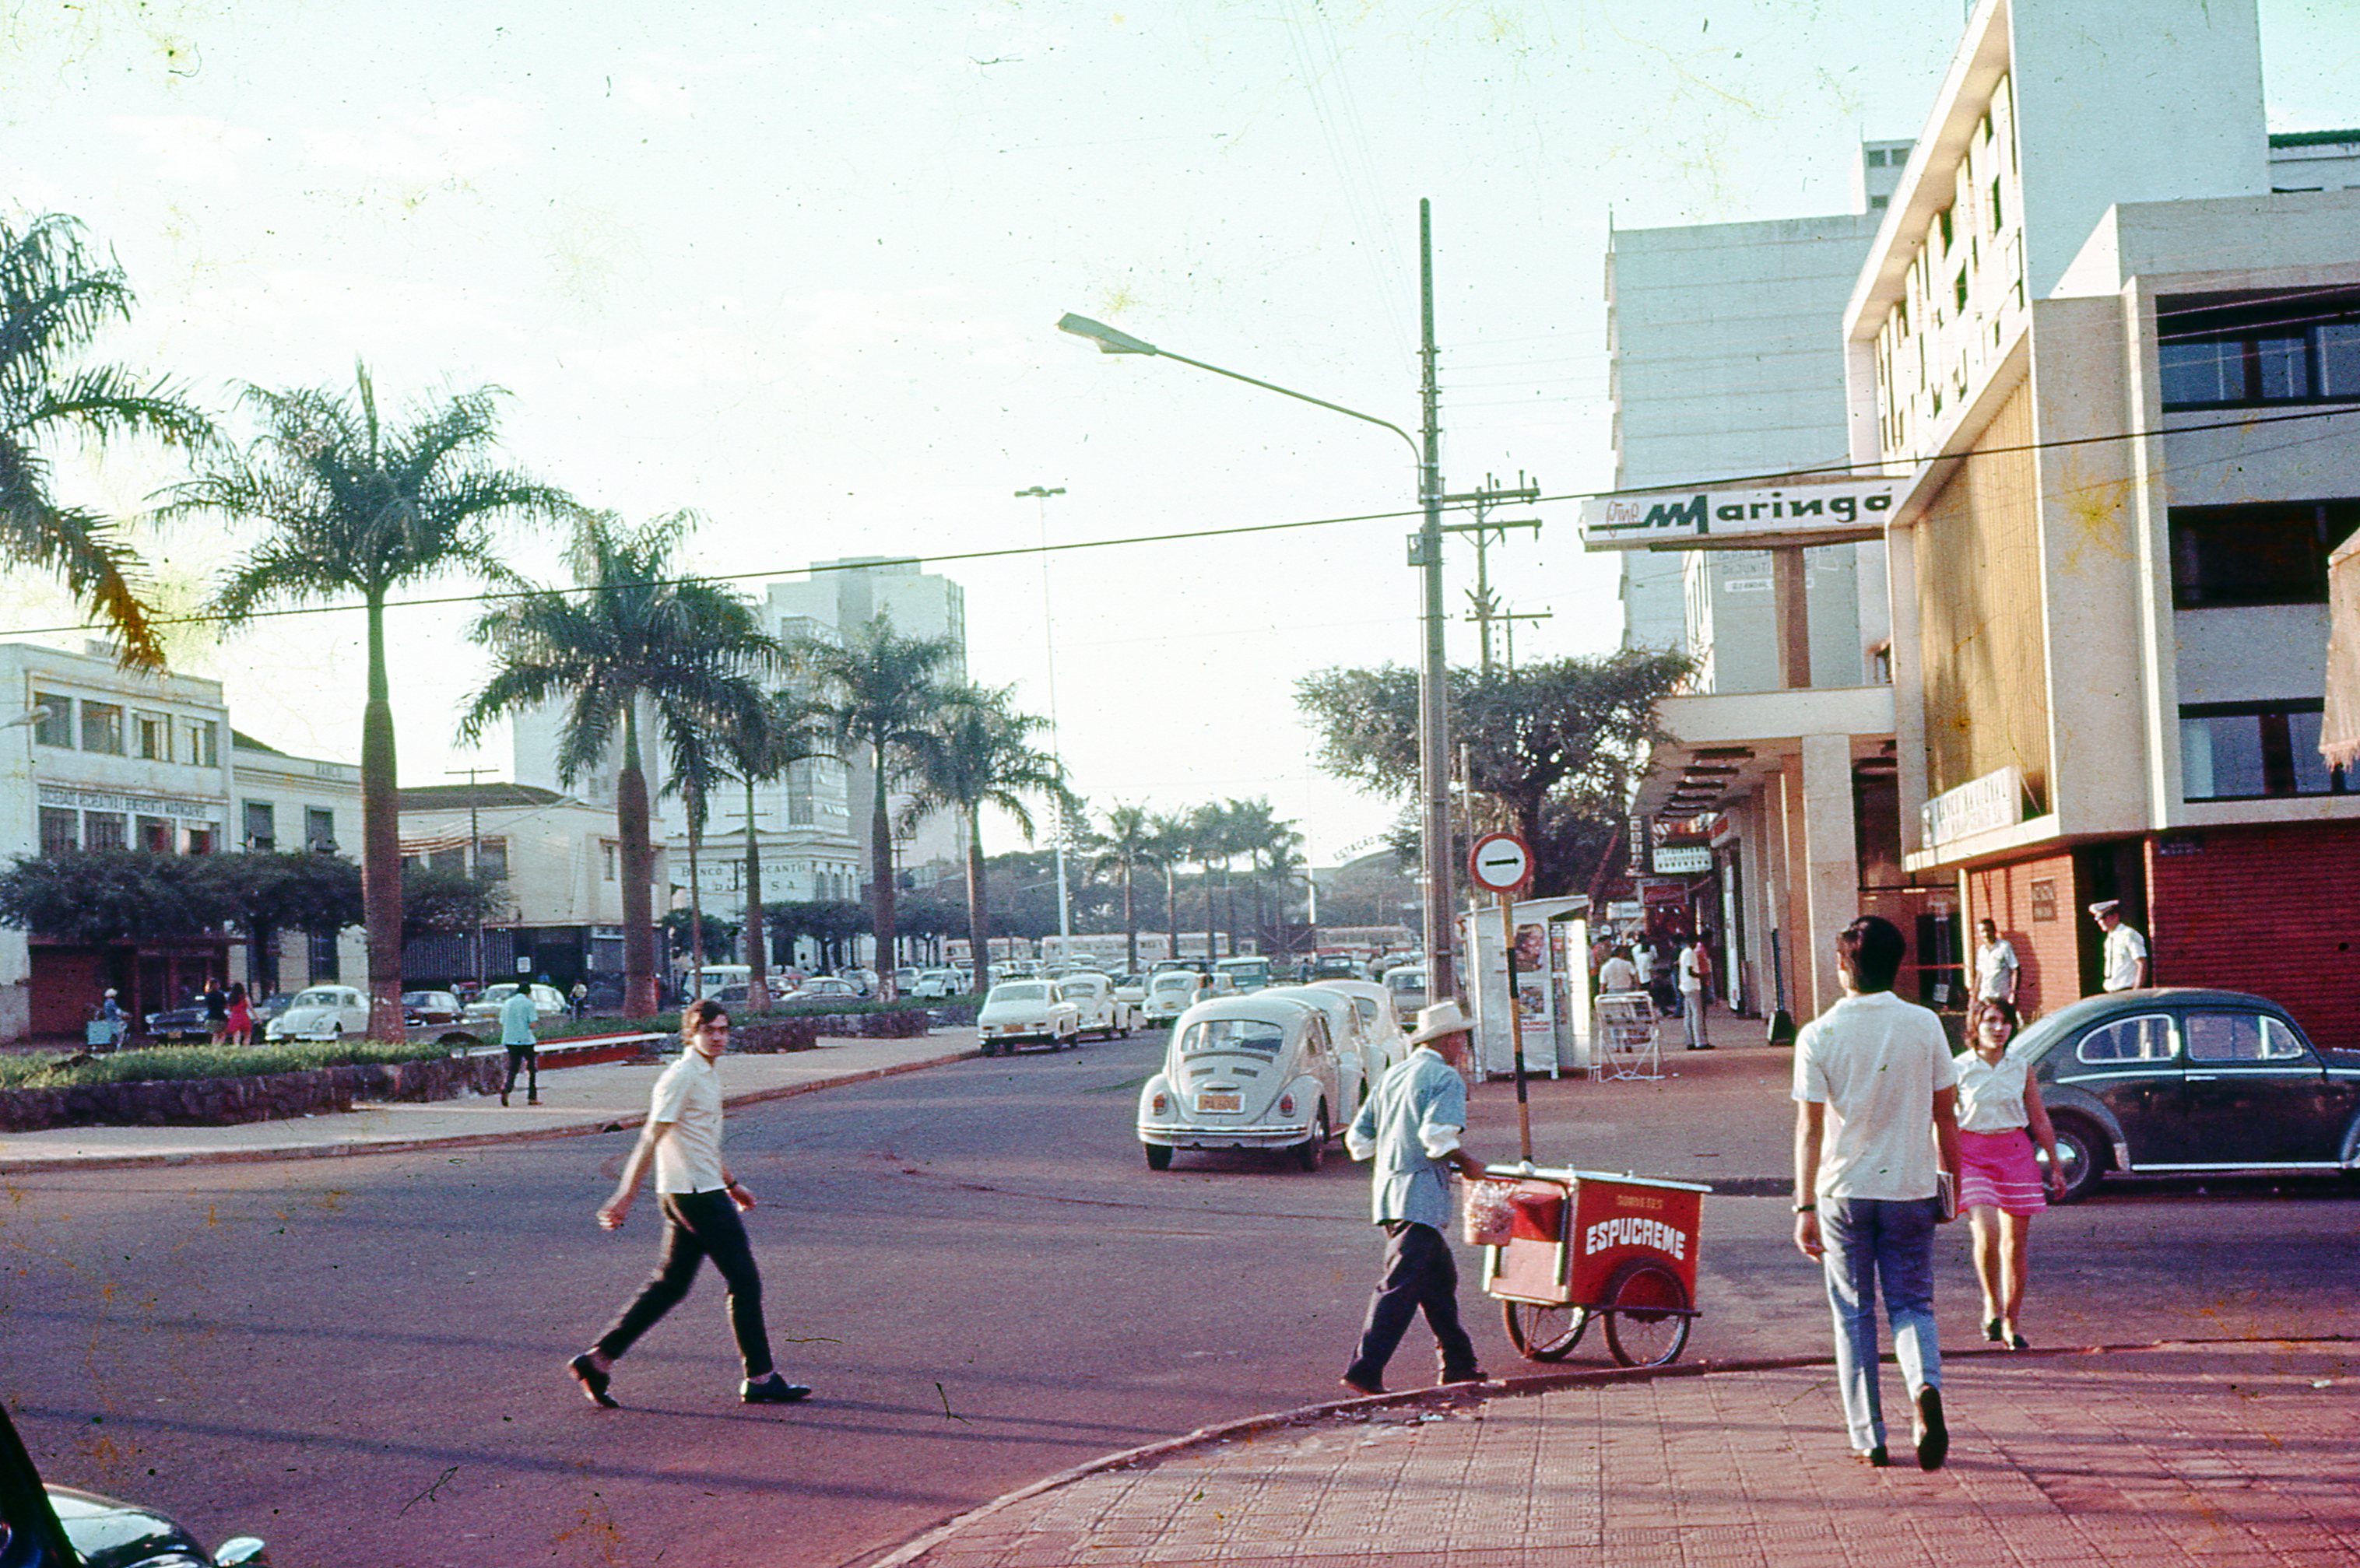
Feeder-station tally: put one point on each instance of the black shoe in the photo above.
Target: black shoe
(2017, 1342)
(504, 1098)
(772, 1390)
(593, 1382)
(1875, 1458)
(1370, 1389)
(1991, 1331)
(1473, 1375)
(533, 1099)
(1933, 1437)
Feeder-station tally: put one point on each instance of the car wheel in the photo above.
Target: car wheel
(1159, 1156)
(2082, 1153)
(1309, 1156)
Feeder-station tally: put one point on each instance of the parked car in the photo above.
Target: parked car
(1169, 992)
(321, 1012)
(429, 1008)
(864, 981)
(1374, 1003)
(184, 1025)
(270, 1006)
(824, 988)
(63, 1527)
(904, 978)
(1018, 969)
(1132, 988)
(1247, 972)
(1359, 1055)
(2172, 1081)
(1256, 1072)
(935, 985)
(1103, 1013)
(1407, 983)
(1022, 1012)
(548, 1002)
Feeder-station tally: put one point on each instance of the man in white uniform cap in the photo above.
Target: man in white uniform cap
(2126, 958)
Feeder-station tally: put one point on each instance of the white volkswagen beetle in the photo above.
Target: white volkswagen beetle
(1103, 1012)
(1360, 1059)
(1388, 1041)
(1254, 1072)
(1169, 992)
(1020, 1010)
(321, 1012)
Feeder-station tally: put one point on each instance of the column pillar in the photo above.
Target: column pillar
(1831, 861)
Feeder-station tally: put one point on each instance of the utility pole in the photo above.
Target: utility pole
(1486, 533)
(1039, 495)
(1509, 619)
(1432, 674)
(476, 861)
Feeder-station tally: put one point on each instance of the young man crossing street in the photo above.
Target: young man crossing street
(518, 1015)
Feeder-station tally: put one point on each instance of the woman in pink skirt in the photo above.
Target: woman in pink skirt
(2000, 1121)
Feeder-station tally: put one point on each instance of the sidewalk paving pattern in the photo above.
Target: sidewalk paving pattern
(2221, 1454)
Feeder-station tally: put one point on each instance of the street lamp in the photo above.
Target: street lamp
(1039, 495)
(1426, 554)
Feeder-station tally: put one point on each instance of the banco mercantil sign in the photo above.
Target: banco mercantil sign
(1805, 511)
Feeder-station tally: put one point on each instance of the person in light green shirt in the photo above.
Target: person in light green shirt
(518, 1015)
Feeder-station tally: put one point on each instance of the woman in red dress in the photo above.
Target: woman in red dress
(241, 1016)
(2000, 1119)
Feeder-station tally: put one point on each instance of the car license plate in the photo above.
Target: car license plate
(1218, 1100)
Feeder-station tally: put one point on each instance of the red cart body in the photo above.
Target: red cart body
(1572, 1230)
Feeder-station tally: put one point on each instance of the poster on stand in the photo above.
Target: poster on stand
(1552, 980)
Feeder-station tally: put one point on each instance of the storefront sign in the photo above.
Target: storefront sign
(132, 805)
(1803, 512)
(1981, 805)
(1683, 861)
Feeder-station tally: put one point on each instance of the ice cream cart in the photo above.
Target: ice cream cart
(1563, 1246)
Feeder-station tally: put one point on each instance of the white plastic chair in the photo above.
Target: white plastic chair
(1629, 1042)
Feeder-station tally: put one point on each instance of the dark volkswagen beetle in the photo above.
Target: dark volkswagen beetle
(2171, 1081)
(58, 1526)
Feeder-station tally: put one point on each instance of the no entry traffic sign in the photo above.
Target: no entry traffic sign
(1501, 862)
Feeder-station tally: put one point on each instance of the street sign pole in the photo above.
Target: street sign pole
(1502, 863)
(1516, 1024)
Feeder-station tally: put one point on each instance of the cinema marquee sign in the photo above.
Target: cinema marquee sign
(1743, 517)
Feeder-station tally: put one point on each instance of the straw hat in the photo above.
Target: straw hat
(1439, 1020)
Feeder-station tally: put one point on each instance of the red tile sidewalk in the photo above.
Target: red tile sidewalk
(2218, 1455)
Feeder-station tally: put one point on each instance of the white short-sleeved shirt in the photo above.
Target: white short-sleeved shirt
(1990, 1093)
(1996, 967)
(1618, 974)
(2124, 948)
(1692, 967)
(688, 1096)
(1875, 1061)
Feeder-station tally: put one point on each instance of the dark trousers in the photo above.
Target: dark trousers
(698, 1225)
(528, 1058)
(1419, 1272)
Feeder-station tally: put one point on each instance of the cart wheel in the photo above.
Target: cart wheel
(1159, 1156)
(1543, 1334)
(1646, 1317)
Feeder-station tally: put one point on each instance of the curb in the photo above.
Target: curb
(917, 1546)
(464, 1140)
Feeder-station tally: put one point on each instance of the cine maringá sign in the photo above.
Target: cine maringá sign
(1748, 517)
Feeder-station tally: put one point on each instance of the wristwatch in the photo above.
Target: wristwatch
(1807, 1208)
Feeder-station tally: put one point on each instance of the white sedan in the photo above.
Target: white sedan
(547, 1002)
(321, 1012)
(1027, 1010)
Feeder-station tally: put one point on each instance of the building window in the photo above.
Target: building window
(1877, 157)
(151, 735)
(2268, 554)
(156, 836)
(606, 857)
(2252, 751)
(2305, 348)
(61, 830)
(261, 826)
(452, 860)
(320, 830)
(200, 840)
(102, 830)
(492, 859)
(1944, 223)
(322, 957)
(55, 726)
(101, 727)
(199, 743)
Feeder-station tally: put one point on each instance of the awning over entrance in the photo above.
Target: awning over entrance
(2339, 731)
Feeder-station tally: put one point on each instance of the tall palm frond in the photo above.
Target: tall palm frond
(983, 755)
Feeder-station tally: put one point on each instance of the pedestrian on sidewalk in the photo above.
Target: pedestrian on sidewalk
(237, 1024)
(1410, 1127)
(1996, 969)
(518, 1016)
(2125, 955)
(1868, 1188)
(580, 1000)
(702, 1203)
(1693, 965)
(1618, 973)
(216, 1005)
(2000, 1119)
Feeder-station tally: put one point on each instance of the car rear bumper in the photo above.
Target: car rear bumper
(1261, 1136)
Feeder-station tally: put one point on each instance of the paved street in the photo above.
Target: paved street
(360, 1358)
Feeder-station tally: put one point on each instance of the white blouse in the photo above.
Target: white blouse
(1990, 1094)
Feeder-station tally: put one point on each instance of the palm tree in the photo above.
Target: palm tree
(982, 756)
(785, 730)
(355, 506)
(1167, 846)
(1127, 844)
(878, 691)
(1209, 848)
(1267, 844)
(629, 644)
(56, 294)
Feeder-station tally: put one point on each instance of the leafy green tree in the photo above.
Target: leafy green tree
(353, 505)
(1168, 848)
(628, 637)
(718, 935)
(445, 902)
(1127, 843)
(100, 895)
(832, 923)
(1550, 743)
(57, 294)
(264, 893)
(878, 691)
(982, 755)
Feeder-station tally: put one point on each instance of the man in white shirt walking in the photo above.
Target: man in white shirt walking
(701, 1203)
(1876, 1131)
(2125, 955)
(1996, 964)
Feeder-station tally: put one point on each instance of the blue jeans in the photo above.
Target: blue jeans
(1868, 1241)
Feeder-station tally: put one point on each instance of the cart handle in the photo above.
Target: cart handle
(1522, 1170)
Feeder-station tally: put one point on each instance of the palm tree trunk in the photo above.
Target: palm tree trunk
(1171, 912)
(880, 873)
(757, 956)
(639, 871)
(1130, 923)
(1212, 942)
(381, 839)
(696, 895)
(978, 916)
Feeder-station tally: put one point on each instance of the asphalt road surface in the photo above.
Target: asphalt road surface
(361, 1359)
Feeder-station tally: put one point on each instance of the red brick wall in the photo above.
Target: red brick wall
(2272, 911)
(2050, 975)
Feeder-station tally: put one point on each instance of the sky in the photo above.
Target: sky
(798, 268)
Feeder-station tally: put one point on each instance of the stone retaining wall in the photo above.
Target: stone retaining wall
(803, 1032)
(270, 1096)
